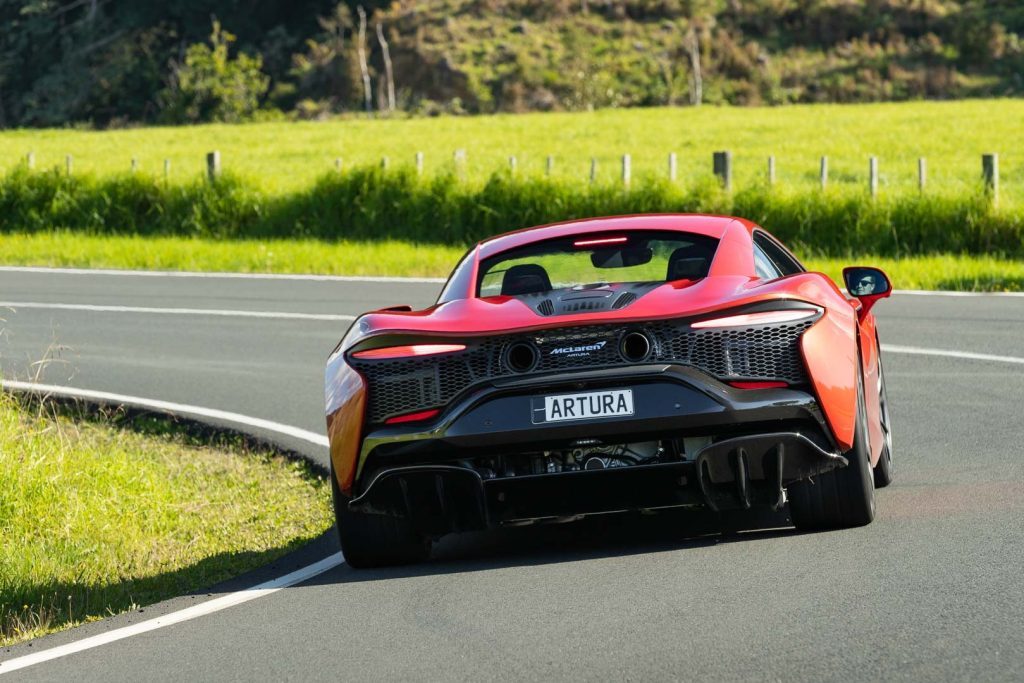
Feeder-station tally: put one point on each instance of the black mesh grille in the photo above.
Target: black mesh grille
(757, 352)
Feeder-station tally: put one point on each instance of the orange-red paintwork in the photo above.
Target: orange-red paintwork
(830, 355)
(346, 404)
(829, 347)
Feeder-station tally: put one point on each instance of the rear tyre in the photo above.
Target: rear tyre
(376, 540)
(883, 471)
(844, 497)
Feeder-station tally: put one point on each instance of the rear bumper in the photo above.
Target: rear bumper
(765, 440)
(737, 473)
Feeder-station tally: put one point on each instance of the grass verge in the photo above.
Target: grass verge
(405, 259)
(100, 515)
(65, 249)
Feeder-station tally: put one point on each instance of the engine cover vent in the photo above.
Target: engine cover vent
(624, 300)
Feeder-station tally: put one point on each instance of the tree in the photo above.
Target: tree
(362, 60)
(388, 70)
(326, 74)
(210, 86)
(696, 76)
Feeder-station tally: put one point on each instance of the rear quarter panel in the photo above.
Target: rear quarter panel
(830, 354)
(346, 406)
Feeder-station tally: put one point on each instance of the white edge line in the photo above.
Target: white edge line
(969, 355)
(168, 407)
(204, 608)
(936, 292)
(283, 315)
(210, 606)
(197, 274)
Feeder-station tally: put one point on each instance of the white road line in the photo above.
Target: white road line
(167, 407)
(918, 351)
(281, 315)
(933, 292)
(202, 609)
(242, 276)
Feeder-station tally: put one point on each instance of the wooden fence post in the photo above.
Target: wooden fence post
(873, 176)
(135, 164)
(384, 162)
(419, 163)
(922, 174)
(338, 164)
(550, 167)
(627, 169)
(593, 169)
(212, 165)
(824, 172)
(30, 160)
(459, 159)
(673, 166)
(512, 165)
(68, 164)
(771, 170)
(990, 174)
(167, 169)
(722, 163)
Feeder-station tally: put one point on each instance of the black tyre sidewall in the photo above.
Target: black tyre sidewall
(844, 497)
(884, 471)
(370, 540)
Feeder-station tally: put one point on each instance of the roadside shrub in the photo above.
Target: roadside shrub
(368, 203)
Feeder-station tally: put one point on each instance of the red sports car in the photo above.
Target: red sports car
(626, 363)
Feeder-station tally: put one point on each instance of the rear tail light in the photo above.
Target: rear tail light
(762, 318)
(413, 417)
(407, 351)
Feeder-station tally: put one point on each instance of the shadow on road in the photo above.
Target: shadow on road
(597, 537)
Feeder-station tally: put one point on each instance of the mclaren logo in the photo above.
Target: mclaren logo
(577, 351)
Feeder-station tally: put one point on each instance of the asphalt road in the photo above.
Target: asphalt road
(932, 590)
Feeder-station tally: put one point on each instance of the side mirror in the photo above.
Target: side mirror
(867, 284)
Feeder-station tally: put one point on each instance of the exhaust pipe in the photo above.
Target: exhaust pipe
(521, 357)
(635, 347)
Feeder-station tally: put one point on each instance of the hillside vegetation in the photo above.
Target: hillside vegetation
(103, 63)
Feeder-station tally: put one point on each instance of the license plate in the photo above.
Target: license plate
(593, 404)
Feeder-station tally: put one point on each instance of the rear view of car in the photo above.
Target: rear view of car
(629, 363)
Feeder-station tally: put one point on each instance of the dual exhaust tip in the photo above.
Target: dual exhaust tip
(633, 347)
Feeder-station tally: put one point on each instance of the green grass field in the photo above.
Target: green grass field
(280, 187)
(284, 157)
(99, 517)
(398, 258)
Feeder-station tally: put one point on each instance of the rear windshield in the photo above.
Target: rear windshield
(607, 258)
